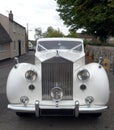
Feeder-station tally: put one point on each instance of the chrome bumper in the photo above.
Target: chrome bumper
(75, 106)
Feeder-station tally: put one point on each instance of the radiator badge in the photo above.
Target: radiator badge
(56, 94)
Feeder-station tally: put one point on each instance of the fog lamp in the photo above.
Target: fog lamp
(56, 94)
(24, 100)
(89, 100)
(31, 75)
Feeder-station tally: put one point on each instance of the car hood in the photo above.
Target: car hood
(66, 54)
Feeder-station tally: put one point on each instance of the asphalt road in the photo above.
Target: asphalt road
(10, 121)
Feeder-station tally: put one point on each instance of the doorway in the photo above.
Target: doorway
(19, 45)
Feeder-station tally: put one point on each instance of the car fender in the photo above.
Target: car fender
(17, 84)
(97, 84)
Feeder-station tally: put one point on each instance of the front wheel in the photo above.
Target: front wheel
(96, 115)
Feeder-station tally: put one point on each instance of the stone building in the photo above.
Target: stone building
(12, 37)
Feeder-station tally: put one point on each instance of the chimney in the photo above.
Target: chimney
(10, 15)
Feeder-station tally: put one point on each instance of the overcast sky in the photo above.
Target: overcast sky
(37, 13)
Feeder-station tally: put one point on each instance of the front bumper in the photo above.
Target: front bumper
(68, 105)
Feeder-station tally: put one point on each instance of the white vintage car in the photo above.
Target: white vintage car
(59, 83)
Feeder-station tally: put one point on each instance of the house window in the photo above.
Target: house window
(2, 47)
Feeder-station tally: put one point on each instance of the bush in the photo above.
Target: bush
(98, 44)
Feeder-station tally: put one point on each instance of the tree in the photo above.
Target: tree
(51, 32)
(38, 33)
(95, 16)
(72, 34)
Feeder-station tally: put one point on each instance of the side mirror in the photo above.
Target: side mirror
(16, 60)
(100, 60)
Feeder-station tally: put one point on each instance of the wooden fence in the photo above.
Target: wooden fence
(94, 52)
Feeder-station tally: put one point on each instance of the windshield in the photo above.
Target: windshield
(47, 45)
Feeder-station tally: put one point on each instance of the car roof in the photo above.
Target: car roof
(61, 39)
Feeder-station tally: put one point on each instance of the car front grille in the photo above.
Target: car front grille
(57, 72)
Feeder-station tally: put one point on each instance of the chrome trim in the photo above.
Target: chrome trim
(16, 60)
(76, 108)
(57, 72)
(82, 109)
(37, 111)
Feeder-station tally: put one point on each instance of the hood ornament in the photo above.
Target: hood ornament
(57, 53)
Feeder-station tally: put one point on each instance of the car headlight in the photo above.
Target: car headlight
(83, 74)
(31, 75)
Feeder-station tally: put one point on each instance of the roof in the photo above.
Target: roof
(61, 39)
(16, 23)
(4, 36)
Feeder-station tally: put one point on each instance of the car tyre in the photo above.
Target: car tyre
(22, 114)
(96, 115)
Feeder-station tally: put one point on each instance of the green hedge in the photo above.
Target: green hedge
(98, 44)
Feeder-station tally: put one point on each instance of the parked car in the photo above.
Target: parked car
(60, 83)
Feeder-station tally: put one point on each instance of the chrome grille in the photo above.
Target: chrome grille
(57, 72)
